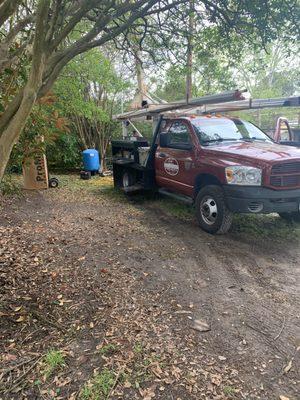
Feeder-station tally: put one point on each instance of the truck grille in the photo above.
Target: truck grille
(285, 175)
(292, 180)
(288, 168)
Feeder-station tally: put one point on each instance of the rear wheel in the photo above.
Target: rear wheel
(211, 210)
(127, 179)
(292, 216)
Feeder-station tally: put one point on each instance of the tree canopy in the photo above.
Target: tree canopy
(40, 37)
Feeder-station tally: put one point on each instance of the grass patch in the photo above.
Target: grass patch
(138, 348)
(265, 226)
(53, 361)
(176, 208)
(108, 349)
(229, 391)
(97, 185)
(99, 387)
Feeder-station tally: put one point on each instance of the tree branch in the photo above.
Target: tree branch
(75, 19)
(60, 60)
(15, 30)
(7, 9)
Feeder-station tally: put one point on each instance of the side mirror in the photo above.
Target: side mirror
(164, 140)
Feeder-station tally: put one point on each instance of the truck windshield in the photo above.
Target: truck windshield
(214, 129)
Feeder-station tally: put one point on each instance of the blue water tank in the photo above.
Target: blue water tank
(91, 160)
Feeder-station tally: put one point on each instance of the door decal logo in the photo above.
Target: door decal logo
(171, 166)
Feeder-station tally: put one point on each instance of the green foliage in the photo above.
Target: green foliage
(172, 86)
(89, 88)
(75, 96)
(264, 227)
(89, 93)
(12, 79)
(10, 186)
(43, 128)
(54, 360)
(80, 82)
(108, 349)
(229, 391)
(270, 72)
(99, 387)
(65, 153)
(138, 348)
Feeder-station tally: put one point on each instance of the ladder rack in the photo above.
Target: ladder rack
(251, 104)
(153, 110)
(225, 102)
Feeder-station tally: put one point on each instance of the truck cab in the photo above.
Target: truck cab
(223, 165)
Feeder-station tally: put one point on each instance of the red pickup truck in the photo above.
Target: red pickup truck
(222, 165)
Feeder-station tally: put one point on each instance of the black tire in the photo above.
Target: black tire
(53, 183)
(128, 179)
(211, 210)
(292, 216)
(85, 175)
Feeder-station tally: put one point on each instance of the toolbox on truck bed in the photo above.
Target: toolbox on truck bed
(130, 173)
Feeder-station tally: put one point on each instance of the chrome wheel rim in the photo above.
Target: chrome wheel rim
(209, 210)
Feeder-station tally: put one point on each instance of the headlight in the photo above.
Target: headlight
(242, 175)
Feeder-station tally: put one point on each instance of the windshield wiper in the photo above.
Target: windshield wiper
(220, 140)
(253, 138)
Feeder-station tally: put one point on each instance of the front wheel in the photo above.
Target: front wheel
(211, 210)
(291, 216)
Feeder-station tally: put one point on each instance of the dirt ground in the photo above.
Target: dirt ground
(104, 297)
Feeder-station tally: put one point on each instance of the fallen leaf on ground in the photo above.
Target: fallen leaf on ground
(20, 319)
(288, 367)
(200, 325)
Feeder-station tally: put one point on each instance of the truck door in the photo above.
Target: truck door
(174, 160)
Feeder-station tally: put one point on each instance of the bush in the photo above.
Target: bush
(65, 153)
(9, 186)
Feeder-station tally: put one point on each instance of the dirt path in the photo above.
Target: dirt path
(116, 286)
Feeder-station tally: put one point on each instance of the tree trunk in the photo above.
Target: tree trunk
(103, 151)
(11, 134)
(140, 76)
(78, 125)
(189, 64)
(11, 128)
(103, 162)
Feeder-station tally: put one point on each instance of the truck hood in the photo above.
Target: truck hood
(255, 151)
